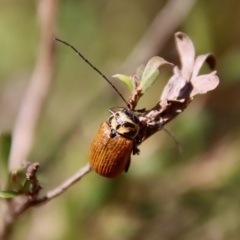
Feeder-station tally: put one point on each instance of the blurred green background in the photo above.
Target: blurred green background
(166, 194)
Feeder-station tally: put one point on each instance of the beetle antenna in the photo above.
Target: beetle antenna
(98, 71)
(179, 146)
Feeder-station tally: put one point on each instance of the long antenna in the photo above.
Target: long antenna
(98, 71)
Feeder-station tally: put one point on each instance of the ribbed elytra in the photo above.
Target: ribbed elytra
(108, 156)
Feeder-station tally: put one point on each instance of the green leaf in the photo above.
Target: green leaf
(147, 83)
(8, 194)
(151, 72)
(26, 186)
(127, 80)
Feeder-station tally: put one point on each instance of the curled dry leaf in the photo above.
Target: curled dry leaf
(184, 84)
(204, 83)
(186, 52)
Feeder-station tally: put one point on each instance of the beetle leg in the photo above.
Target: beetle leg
(135, 149)
(128, 165)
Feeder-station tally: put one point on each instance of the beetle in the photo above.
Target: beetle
(111, 149)
(115, 141)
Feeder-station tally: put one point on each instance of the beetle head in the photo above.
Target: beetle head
(124, 122)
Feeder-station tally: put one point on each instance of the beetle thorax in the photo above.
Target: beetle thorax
(125, 123)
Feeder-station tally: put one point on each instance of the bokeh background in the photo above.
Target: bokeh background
(166, 194)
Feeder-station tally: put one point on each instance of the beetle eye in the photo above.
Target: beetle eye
(135, 119)
(112, 134)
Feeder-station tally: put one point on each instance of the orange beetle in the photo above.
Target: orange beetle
(110, 151)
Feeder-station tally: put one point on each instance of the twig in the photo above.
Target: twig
(64, 186)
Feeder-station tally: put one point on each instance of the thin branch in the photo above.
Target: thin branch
(64, 186)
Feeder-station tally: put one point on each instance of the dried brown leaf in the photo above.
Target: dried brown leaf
(204, 83)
